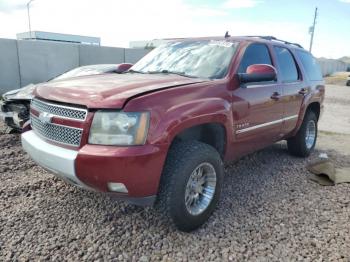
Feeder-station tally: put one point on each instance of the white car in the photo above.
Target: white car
(14, 105)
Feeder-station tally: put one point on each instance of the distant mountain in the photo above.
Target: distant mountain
(345, 59)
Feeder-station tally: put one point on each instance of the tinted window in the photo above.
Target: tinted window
(287, 66)
(254, 54)
(310, 65)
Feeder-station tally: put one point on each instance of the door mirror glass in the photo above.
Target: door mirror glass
(258, 73)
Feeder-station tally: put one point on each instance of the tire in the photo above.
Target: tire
(301, 144)
(182, 160)
(348, 83)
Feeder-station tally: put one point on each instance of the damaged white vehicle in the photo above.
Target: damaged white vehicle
(14, 105)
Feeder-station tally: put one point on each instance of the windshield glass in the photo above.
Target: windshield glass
(204, 59)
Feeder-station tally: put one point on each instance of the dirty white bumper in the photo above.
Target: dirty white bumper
(58, 160)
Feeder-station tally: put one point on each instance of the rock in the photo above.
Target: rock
(268, 212)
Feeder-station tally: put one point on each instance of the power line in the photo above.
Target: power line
(312, 30)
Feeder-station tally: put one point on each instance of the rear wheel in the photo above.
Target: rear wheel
(190, 185)
(304, 141)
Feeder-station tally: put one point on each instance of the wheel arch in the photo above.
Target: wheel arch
(315, 107)
(211, 133)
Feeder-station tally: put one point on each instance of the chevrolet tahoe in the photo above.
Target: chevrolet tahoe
(159, 133)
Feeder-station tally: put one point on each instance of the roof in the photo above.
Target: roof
(260, 39)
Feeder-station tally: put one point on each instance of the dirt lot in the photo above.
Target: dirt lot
(269, 210)
(339, 78)
(336, 116)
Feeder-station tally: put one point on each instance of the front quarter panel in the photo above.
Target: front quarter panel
(174, 110)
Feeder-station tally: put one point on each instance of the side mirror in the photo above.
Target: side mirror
(123, 67)
(258, 73)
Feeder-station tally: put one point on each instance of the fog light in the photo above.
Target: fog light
(117, 187)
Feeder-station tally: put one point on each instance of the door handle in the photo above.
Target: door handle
(303, 91)
(275, 96)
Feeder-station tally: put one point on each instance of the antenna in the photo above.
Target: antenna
(312, 30)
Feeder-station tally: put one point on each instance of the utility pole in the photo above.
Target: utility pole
(312, 30)
(30, 29)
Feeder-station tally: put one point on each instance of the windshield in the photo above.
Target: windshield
(87, 70)
(204, 59)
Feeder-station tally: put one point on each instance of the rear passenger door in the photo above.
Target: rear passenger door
(293, 88)
(257, 109)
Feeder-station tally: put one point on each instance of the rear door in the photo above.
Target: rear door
(257, 109)
(293, 87)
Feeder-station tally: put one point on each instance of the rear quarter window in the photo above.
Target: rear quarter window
(288, 68)
(311, 66)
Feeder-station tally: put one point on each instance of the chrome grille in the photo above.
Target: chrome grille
(59, 110)
(58, 133)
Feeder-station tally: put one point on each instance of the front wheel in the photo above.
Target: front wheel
(190, 185)
(304, 141)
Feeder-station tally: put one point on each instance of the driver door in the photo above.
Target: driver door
(257, 107)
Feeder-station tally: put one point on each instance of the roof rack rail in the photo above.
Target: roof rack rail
(272, 38)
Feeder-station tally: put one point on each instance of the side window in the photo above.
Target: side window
(254, 54)
(287, 66)
(310, 65)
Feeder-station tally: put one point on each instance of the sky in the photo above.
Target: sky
(118, 22)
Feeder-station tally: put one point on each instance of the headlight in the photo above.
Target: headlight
(119, 128)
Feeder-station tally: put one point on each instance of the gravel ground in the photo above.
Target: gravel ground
(269, 211)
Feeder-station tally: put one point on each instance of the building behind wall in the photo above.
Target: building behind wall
(150, 44)
(57, 37)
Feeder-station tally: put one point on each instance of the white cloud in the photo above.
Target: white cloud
(233, 4)
(208, 12)
(7, 6)
(345, 1)
(118, 22)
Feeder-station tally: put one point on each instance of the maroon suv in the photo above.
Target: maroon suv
(160, 132)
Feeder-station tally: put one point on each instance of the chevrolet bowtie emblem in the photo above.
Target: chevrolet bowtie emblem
(45, 117)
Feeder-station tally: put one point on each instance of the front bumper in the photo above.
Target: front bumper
(58, 160)
(93, 166)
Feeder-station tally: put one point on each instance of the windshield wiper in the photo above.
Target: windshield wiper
(171, 72)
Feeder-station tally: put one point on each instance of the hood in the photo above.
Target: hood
(24, 93)
(109, 90)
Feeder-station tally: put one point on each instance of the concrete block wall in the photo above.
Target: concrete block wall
(132, 55)
(9, 66)
(23, 62)
(40, 61)
(90, 55)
